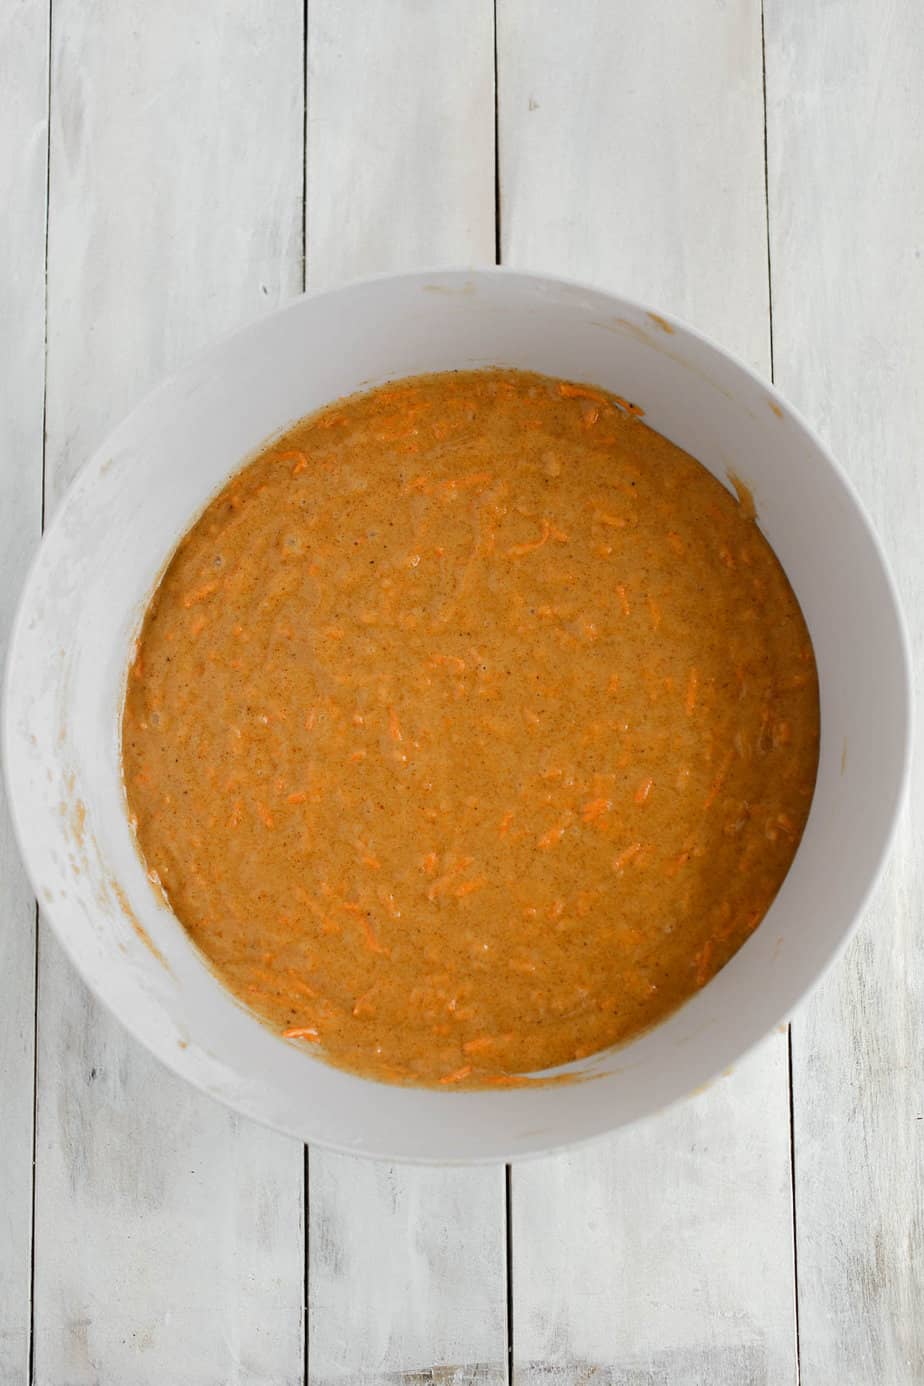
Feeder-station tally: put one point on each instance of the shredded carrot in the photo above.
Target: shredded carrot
(703, 960)
(719, 779)
(634, 409)
(613, 685)
(447, 488)
(364, 1009)
(302, 1032)
(298, 457)
(623, 598)
(448, 884)
(624, 858)
(595, 809)
(568, 390)
(553, 836)
(474, 479)
(458, 1076)
(506, 821)
(298, 797)
(644, 789)
(518, 550)
(394, 726)
(680, 861)
(468, 887)
(752, 920)
(372, 941)
(200, 594)
(265, 815)
(479, 1045)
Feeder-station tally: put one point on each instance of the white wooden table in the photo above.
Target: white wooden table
(170, 168)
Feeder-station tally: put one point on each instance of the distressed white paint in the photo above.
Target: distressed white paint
(406, 1266)
(405, 1273)
(631, 145)
(168, 1234)
(168, 1237)
(845, 108)
(631, 154)
(23, 144)
(400, 136)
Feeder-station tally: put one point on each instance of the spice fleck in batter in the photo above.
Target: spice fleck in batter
(472, 728)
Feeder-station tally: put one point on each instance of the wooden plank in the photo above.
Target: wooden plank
(23, 149)
(400, 136)
(169, 1240)
(844, 105)
(631, 144)
(406, 1266)
(406, 1273)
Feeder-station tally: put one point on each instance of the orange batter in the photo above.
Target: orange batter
(472, 728)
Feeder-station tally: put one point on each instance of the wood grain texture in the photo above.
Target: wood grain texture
(845, 107)
(400, 136)
(168, 1240)
(406, 1265)
(23, 148)
(631, 148)
(406, 1273)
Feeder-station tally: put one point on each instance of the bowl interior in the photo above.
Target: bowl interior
(88, 590)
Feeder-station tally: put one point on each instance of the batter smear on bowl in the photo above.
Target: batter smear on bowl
(472, 728)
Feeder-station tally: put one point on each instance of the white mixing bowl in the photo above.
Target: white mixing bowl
(89, 586)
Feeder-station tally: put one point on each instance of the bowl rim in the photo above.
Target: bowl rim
(458, 272)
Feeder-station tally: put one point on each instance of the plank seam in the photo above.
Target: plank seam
(789, 1075)
(789, 1070)
(763, 69)
(497, 189)
(792, 1181)
(306, 1176)
(304, 146)
(508, 1224)
(35, 951)
(35, 967)
(45, 284)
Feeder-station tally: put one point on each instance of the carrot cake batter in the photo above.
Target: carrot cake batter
(471, 729)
